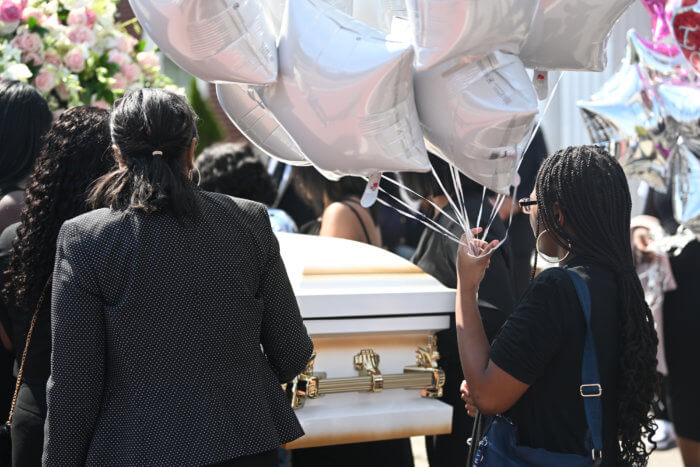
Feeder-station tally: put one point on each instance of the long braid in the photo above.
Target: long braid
(593, 196)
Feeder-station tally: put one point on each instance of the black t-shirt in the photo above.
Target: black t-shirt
(541, 344)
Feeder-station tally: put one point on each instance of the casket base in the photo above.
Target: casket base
(356, 418)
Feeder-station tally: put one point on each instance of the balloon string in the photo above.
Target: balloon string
(432, 204)
(460, 211)
(431, 223)
(464, 223)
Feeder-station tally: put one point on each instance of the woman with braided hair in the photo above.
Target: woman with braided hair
(534, 372)
(76, 152)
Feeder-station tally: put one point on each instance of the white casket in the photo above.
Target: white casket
(372, 316)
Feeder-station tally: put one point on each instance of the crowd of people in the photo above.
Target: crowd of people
(146, 316)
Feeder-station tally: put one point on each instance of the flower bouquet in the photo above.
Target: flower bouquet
(74, 52)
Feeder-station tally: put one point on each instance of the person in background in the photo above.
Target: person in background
(522, 242)
(437, 255)
(532, 373)
(173, 321)
(24, 118)
(338, 206)
(340, 215)
(233, 169)
(75, 153)
(681, 327)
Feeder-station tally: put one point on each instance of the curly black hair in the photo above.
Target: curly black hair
(75, 152)
(233, 169)
(592, 192)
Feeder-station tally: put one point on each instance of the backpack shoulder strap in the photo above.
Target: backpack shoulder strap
(590, 389)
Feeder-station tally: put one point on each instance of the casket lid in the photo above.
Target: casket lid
(335, 277)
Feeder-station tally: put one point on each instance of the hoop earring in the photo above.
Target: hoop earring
(546, 258)
(195, 176)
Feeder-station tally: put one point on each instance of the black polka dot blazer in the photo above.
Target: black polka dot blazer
(170, 341)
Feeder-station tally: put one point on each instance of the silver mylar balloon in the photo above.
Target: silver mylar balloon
(444, 29)
(571, 34)
(686, 187)
(474, 115)
(659, 61)
(344, 93)
(681, 105)
(625, 117)
(275, 10)
(217, 41)
(242, 104)
(378, 13)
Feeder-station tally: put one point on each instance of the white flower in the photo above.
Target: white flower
(8, 28)
(17, 71)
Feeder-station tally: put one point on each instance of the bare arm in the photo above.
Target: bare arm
(339, 222)
(492, 389)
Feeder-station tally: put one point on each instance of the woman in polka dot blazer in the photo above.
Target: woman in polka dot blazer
(173, 320)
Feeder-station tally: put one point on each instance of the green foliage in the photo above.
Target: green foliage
(208, 126)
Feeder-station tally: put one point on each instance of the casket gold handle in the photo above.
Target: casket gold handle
(425, 375)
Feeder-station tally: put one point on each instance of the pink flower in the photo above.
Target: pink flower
(75, 61)
(120, 81)
(27, 42)
(63, 92)
(32, 57)
(52, 58)
(45, 81)
(81, 35)
(117, 57)
(125, 43)
(147, 59)
(91, 16)
(131, 71)
(78, 17)
(32, 12)
(10, 11)
(100, 104)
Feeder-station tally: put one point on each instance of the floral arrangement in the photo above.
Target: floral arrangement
(73, 52)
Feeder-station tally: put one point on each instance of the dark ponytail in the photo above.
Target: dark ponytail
(153, 130)
(594, 198)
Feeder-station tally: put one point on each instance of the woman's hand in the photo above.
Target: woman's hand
(473, 259)
(641, 238)
(468, 399)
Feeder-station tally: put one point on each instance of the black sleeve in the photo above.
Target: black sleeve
(74, 389)
(537, 329)
(283, 334)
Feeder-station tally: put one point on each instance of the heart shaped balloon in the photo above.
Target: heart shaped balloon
(444, 29)
(344, 93)
(244, 107)
(571, 34)
(474, 115)
(217, 41)
(686, 30)
(660, 19)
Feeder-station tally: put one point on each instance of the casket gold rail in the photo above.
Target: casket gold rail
(425, 375)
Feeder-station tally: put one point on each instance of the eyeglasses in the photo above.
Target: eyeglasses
(525, 204)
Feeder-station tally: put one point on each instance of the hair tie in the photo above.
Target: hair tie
(157, 153)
